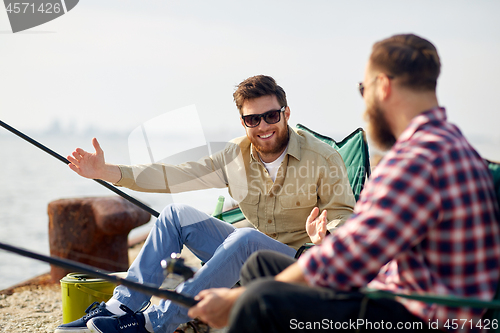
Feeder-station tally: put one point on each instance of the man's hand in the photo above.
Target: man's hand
(92, 165)
(215, 305)
(316, 226)
(292, 274)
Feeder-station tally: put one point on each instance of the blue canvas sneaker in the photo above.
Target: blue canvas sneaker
(80, 325)
(131, 322)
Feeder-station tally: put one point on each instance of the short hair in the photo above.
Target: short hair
(410, 57)
(258, 86)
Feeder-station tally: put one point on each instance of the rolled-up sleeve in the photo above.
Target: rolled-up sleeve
(206, 173)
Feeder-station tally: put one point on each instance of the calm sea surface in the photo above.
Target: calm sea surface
(30, 179)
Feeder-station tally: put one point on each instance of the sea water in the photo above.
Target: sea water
(30, 179)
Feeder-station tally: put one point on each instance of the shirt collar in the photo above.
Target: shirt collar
(293, 146)
(436, 114)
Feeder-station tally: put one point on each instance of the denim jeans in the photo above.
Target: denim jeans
(223, 247)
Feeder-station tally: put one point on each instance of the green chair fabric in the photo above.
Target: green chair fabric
(495, 172)
(232, 216)
(354, 151)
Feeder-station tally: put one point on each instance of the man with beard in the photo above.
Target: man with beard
(426, 222)
(282, 179)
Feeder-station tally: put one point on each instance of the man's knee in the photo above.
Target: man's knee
(244, 235)
(250, 269)
(175, 209)
(170, 210)
(254, 303)
(179, 214)
(168, 216)
(264, 263)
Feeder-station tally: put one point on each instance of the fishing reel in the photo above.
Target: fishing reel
(175, 265)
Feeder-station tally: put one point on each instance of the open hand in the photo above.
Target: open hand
(316, 225)
(88, 165)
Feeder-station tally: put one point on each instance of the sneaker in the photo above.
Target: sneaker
(131, 322)
(80, 325)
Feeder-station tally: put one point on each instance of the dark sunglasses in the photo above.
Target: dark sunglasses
(270, 117)
(361, 86)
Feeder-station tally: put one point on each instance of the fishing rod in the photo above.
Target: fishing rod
(105, 275)
(65, 161)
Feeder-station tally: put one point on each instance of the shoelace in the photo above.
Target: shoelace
(92, 309)
(129, 319)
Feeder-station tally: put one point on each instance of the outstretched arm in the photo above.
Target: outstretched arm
(93, 165)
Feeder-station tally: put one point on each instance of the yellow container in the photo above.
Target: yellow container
(79, 291)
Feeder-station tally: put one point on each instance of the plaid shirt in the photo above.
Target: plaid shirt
(426, 222)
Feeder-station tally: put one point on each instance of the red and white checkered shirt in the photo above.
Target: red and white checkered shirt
(426, 222)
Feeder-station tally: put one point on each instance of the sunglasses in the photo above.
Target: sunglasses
(270, 117)
(361, 86)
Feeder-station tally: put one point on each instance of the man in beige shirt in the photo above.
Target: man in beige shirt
(282, 179)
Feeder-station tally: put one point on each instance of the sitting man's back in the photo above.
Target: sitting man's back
(443, 235)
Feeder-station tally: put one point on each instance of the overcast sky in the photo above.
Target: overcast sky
(116, 64)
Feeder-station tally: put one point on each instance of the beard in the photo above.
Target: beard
(281, 141)
(378, 127)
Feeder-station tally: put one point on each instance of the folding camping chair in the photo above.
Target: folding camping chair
(354, 151)
(493, 306)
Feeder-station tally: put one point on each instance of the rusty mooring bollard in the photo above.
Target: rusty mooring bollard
(92, 231)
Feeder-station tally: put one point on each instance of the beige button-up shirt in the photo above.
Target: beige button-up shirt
(312, 174)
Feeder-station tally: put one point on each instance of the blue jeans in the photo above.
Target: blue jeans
(223, 247)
